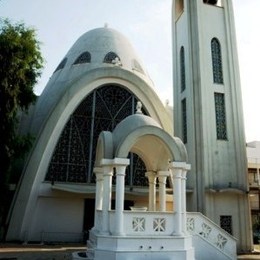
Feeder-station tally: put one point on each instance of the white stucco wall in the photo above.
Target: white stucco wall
(56, 218)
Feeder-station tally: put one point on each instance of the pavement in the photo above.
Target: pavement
(64, 252)
(39, 252)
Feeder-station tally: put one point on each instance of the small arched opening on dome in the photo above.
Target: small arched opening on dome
(213, 2)
(136, 66)
(61, 65)
(111, 57)
(84, 57)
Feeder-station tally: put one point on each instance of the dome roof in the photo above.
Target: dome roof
(99, 54)
(131, 123)
(101, 47)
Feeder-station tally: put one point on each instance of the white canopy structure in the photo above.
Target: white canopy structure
(120, 234)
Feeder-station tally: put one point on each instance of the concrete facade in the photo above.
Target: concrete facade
(218, 182)
(217, 185)
(64, 92)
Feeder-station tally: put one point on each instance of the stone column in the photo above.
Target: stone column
(179, 170)
(120, 165)
(107, 166)
(162, 176)
(183, 191)
(99, 191)
(176, 169)
(152, 190)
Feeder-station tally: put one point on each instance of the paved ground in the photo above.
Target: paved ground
(38, 252)
(62, 252)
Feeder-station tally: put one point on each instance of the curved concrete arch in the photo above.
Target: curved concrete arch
(50, 116)
(60, 94)
(174, 147)
(104, 148)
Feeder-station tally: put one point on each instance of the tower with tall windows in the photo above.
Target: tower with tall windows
(208, 113)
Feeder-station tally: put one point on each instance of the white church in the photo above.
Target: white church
(110, 166)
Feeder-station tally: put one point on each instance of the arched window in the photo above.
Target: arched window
(182, 69)
(84, 57)
(216, 61)
(74, 155)
(61, 65)
(111, 57)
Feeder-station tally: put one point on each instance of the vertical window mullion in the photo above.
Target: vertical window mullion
(91, 137)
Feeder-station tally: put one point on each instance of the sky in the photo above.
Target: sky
(147, 25)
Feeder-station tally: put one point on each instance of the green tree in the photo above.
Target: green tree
(20, 67)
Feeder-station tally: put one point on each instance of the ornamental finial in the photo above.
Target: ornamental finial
(139, 108)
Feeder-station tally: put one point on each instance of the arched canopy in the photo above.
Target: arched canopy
(142, 135)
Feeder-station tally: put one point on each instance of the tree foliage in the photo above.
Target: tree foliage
(20, 66)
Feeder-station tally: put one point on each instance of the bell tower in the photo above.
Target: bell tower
(208, 113)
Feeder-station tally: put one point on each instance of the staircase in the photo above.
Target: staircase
(209, 240)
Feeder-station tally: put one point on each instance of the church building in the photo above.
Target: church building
(100, 83)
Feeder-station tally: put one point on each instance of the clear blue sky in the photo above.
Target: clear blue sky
(147, 24)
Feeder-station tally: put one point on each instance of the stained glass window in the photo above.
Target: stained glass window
(216, 61)
(85, 57)
(220, 116)
(184, 120)
(61, 65)
(182, 68)
(74, 155)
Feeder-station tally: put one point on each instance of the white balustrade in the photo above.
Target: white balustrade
(145, 223)
(198, 224)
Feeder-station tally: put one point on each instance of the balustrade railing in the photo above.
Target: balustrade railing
(198, 224)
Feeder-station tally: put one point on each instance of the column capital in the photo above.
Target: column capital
(163, 173)
(121, 161)
(151, 177)
(99, 171)
(180, 165)
(150, 174)
(106, 162)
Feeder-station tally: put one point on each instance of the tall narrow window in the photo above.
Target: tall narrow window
(221, 127)
(184, 120)
(216, 61)
(182, 69)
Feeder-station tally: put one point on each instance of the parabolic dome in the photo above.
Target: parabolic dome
(98, 54)
(101, 47)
